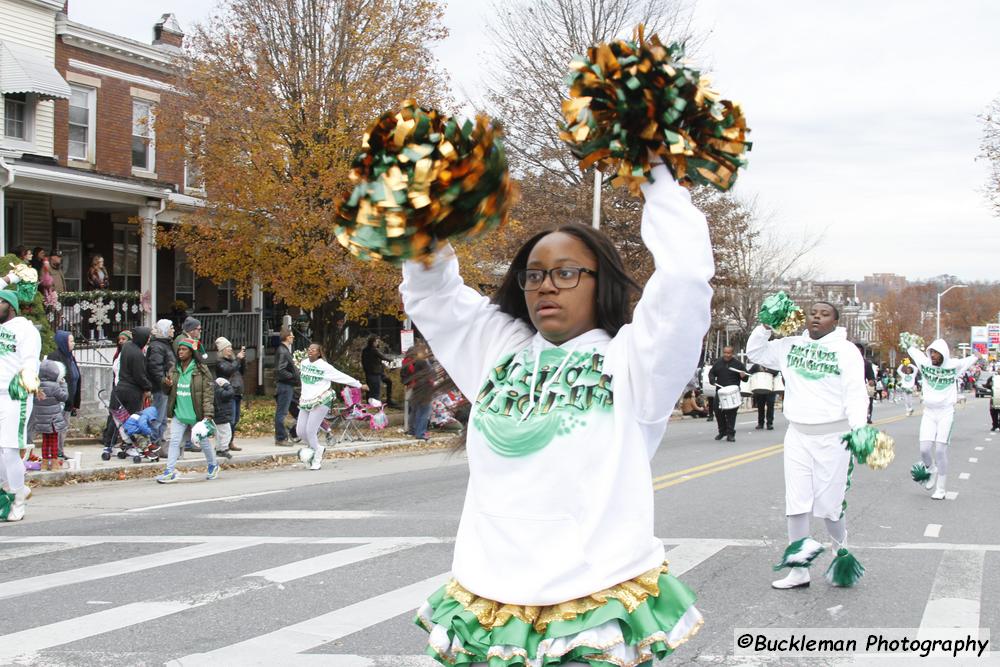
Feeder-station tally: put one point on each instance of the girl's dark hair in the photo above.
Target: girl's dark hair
(615, 285)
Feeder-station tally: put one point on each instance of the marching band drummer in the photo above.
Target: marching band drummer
(764, 400)
(727, 371)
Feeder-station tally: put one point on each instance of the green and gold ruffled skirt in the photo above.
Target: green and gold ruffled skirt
(626, 625)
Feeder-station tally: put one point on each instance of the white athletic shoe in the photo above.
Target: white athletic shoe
(929, 484)
(798, 577)
(20, 504)
(317, 460)
(939, 492)
(909, 411)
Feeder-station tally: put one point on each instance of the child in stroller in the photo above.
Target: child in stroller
(133, 434)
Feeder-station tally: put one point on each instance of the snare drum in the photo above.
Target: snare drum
(729, 397)
(779, 385)
(762, 383)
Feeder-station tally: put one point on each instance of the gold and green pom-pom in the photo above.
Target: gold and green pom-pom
(631, 99)
(421, 178)
(781, 314)
(800, 553)
(844, 570)
(908, 340)
(871, 446)
(920, 473)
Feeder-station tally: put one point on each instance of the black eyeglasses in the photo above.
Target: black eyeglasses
(563, 277)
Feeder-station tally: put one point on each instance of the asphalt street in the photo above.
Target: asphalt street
(291, 567)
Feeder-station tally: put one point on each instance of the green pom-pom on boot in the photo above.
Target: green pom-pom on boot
(800, 553)
(845, 570)
(6, 502)
(920, 473)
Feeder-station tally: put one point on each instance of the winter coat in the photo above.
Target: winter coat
(63, 355)
(224, 393)
(285, 370)
(132, 362)
(47, 414)
(202, 392)
(232, 370)
(160, 360)
(371, 361)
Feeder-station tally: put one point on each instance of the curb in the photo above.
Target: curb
(150, 469)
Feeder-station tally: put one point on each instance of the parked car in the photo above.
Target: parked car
(981, 389)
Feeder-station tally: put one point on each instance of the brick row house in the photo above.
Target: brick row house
(79, 171)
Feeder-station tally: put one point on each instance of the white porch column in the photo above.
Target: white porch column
(6, 180)
(147, 254)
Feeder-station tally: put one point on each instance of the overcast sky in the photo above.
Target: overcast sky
(864, 116)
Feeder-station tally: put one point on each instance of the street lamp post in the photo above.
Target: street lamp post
(941, 294)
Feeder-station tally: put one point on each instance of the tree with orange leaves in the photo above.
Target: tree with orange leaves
(277, 94)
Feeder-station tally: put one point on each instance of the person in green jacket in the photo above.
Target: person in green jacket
(191, 408)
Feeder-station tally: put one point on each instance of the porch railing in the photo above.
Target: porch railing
(96, 317)
(242, 329)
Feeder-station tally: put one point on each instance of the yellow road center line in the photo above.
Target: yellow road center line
(733, 461)
(712, 464)
(696, 475)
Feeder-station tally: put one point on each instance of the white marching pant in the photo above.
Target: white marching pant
(815, 472)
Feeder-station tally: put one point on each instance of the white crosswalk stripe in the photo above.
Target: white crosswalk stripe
(113, 568)
(953, 601)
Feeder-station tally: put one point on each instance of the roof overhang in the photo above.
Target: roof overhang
(25, 70)
(65, 182)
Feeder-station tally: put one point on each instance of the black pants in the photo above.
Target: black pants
(711, 407)
(995, 416)
(765, 408)
(375, 383)
(726, 421)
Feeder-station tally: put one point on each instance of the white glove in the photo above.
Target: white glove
(222, 382)
(12, 278)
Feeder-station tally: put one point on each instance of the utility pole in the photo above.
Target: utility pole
(595, 221)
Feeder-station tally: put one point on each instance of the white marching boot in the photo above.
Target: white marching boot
(20, 504)
(932, 480)
(797, 577)
(939, 492)
(317, 459)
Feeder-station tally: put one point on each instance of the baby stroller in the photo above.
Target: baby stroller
(132, 434)
(356, 421)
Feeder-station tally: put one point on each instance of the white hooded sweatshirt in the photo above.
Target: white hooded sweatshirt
(907, 381)
(939, 390)
(824, 378)
(317, 379)
(560, 499)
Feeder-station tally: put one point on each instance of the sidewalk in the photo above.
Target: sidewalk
(256, 452)
(259, 452)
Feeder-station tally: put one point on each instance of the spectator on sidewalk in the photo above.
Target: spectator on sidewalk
(417, 374)
(223, 417)
(47, 413)
(160, 361)
(191, 330)
(693, 405)
(286, 378)
(192, 400)
(129, 362)
(231, 366)
(65, 344)
(371, 363)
